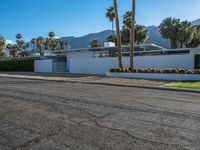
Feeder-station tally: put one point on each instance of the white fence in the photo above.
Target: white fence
(102, 65)
(43, 65)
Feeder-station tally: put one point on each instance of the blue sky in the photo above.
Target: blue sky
(35, 18)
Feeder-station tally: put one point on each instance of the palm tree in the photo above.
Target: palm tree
(39, 44)
(127, 20)
(2, 43)
(46, 43)
(13, 50)
(141, 34)
(51, 35)
(132, 35)
(33, 41)
(195, 42)
(112, 38)
(19, 42)
(63, 44)
(111, 16)
(55, 44)
(185, 33)
(2, 46)
(19, 36)
(119, 42)
(169, 29)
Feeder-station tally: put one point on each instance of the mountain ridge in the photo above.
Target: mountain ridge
(84, 41)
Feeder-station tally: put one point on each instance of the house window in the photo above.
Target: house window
(100, 54)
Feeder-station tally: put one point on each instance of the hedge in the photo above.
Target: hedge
(154, 70)
(17, 65)
(197, 61)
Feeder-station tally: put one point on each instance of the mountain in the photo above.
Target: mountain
(84, 41)
(196, 22)
(156, 38)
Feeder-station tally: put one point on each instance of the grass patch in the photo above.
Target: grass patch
(188, 85)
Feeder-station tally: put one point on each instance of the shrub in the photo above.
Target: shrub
(197, 71)
(166, 71)
(189, 72)
(182, 71)
(152, 70)
(126, 70)
(197, 61)
(174, 71)
(158, 71)
(17, 65)
(133, 70)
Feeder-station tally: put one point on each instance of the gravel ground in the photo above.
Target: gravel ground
(55, 115)
(83, 78)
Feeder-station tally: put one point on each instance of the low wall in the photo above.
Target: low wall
(154, 76)
(102, 65)
(43, 65)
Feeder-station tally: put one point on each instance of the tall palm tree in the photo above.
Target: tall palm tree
(132, 36)
(39, 44)
(119, 42)
(111, 16)
(169, 29)
(19, 42)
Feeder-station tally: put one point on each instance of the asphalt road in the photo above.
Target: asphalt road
(49, 115)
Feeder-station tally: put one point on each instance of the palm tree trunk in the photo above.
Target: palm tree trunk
(113, 33)
(119, 42)
(132, 36)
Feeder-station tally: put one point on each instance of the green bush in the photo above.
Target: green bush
(17, 65)
(197, 61)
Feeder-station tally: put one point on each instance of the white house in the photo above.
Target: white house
(100, 60)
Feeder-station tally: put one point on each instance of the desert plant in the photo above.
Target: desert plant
(197, 71)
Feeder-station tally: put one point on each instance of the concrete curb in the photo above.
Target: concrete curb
(115, 84)
(149, 87)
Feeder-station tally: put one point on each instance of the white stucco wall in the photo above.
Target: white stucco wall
(43, 65)
(83, 54)
(102, 65)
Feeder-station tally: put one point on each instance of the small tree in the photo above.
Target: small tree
(95, 43)
(112, 38)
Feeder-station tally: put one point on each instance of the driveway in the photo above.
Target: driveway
(56, 115)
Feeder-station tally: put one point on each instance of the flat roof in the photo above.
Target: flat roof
(145, 46)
